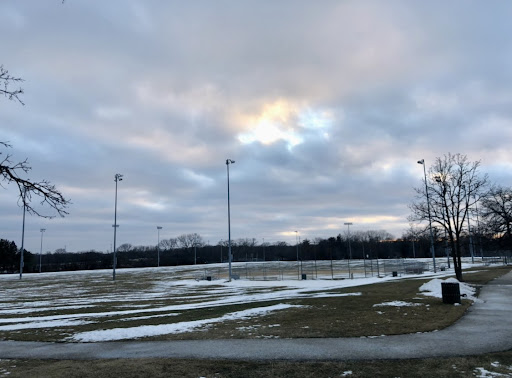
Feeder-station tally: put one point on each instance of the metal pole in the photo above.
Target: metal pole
(158, 228)
(446, 248)
(479, 231)
(230, 257)
(117, 177)
(297, 245)
(348, 224)
(422, 162)
(471, 243)
(41, 250)
(23, 233)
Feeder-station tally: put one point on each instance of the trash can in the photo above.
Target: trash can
(304, 276)
(208, 278)
(451, 292)
(395, 274)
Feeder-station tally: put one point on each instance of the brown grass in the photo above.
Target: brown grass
(439, 367)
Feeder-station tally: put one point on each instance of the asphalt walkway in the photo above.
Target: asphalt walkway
(487, 327)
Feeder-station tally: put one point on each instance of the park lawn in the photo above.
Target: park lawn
(467, 366)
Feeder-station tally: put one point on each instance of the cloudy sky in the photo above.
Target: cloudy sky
(325, 106)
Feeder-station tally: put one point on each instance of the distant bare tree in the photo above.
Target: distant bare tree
(496, 212)
(190, 240)
(454, 185)
(125, 247)
(170, 243)
(5, 85)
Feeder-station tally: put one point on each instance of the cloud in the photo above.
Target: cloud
(325, 107)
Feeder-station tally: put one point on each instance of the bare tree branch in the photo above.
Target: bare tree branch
(5, 81)
(44, 190)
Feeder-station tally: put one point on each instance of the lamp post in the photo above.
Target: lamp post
(23, 233)
(348, 224)
(478, 228)
(158, 228)
(422, 162)
(471, 246)
(297, 246)
(41, 250)
(230, 257)
(117, 177)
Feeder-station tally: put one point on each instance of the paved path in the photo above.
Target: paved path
(487, 327)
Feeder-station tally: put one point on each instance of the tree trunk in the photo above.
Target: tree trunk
(457, 262)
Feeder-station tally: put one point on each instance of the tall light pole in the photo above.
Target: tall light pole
(41, 250)
(297, 246)
(471, 247)
(118, 177)
(348, 224)
(479, 233)
(158, 228)
(23, 233)
(422, 162)
(230, 257)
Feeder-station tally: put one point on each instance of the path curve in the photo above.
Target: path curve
(487, 327)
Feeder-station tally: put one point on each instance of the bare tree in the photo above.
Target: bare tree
(496, 210)
(10, 172)
(454, 185)
(5, 85)
(170, 243)
(126, 247)
(190, 240)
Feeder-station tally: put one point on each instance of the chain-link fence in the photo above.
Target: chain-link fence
(320, 269)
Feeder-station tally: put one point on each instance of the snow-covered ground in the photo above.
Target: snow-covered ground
(68, 300)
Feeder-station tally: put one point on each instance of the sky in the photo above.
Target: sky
(324, 106)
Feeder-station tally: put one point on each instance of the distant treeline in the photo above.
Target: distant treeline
(191, 249)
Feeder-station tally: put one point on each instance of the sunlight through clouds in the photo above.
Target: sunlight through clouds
(284, 121)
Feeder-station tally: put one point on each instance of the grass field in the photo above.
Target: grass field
(487, 365)
(70, 306)
(167, 303)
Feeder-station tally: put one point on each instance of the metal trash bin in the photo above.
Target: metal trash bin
(451, 292)
(304, 276)
(395, 274)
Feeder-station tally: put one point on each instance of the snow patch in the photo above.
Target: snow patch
(483, 373)
(398, 304)
(432, 288)
(165, 329)
(48, 324)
